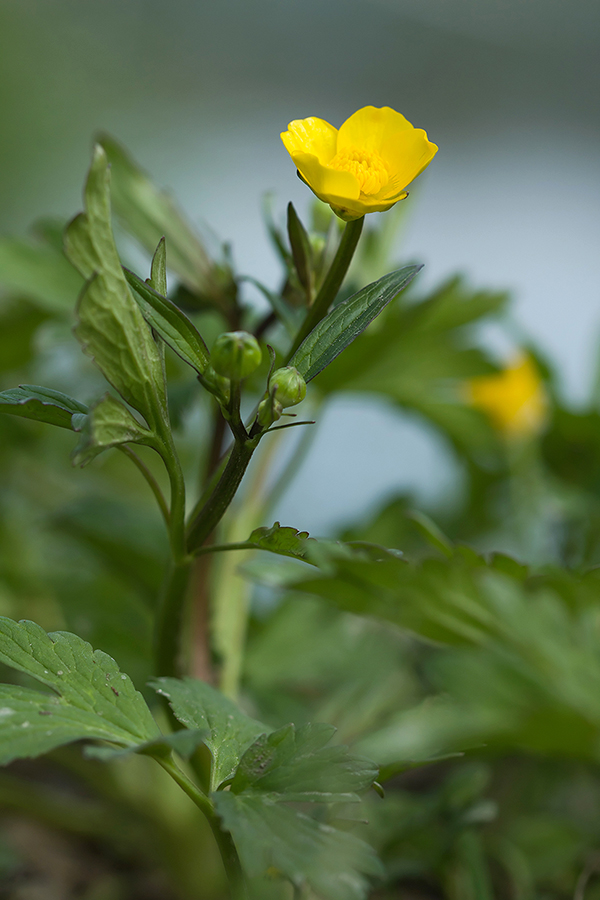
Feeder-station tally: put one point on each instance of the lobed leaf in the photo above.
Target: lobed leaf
(283, 540)
(346, 321)
(42, 405)
(92, 698)
(109, 424)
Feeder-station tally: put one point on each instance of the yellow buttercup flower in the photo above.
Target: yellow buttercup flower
(514, 399)
(366, 165)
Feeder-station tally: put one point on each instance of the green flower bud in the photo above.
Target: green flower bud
(269, 411)
(235, 355)
(288, 386)
(216, 384)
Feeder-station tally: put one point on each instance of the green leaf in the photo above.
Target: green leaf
(40, 273)
(283, 540)
(150, 213)
(19, 323)
(346, 321)
(301, 250)
(109, 424)
(110, 325)
(185, 743)
(41, 404)
(298, 765)
(171, 323)
(229, 731)
(158, 269)
(271, 836)
(92, 698)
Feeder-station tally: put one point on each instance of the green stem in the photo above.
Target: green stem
(207, 519)
(169, 619)
(229, 855)
(154, 486)
(177, 516)
(333, 281)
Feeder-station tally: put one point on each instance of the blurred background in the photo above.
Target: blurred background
(199, 92)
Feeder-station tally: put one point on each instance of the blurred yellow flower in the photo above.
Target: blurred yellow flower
(366, 165)
(514, 399)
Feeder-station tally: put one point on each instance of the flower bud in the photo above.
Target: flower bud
(269, 411)
(235, 355)
(288, 386)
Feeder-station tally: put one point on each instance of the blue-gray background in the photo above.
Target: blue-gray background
(199, 92)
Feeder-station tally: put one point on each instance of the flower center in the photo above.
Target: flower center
(366, 165)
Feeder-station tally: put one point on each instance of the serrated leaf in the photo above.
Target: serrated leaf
(271, 836)
(109, 424)
(171, 323)
(150, 213)
(110, 325)
(199, 706)
(346, 321)
(284, 540)
(92, 698)
(298, 764)
(42, 405)
(40, 273)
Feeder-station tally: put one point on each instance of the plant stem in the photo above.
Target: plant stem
(229, 855)
(169, 619)
(333, 281)
(207, 519)
(154, 486)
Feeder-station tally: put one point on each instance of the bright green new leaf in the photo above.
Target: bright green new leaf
(171, 323)
(110, 325)
(346, 321)
(229, 731)
(158, 269)
(91, 699)
(284, 540)
(150, 214)
(272, 836)
(40, 273)
(41, 404)
(109, 424)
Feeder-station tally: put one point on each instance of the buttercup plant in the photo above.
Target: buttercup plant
(196, 390)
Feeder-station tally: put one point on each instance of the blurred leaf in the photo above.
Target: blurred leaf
(150, 214)
(94, 699)
(19, 323)
(301, 250)
(110, 325)
(173, 326)
(346, 321)
(199, 706)
(40, 273)
(41, 404)
(272, 836)
(109, 424)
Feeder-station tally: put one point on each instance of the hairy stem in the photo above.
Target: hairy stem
(332, 282)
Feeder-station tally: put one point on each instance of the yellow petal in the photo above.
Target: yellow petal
(331, 185)
(371, 128)
(312, 135)
(406, 158)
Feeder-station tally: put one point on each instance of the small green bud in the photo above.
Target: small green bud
(288, 385)
(235, 355)
(269, 411)
(216, 384)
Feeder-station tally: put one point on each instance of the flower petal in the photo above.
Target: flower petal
(331, 185)
(371, 128)
(406, 158)
(311, 135)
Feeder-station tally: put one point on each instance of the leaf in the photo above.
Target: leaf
(270, 835)
(41, 404)
(92, 699)
(301, 250)
(171, 323)
(19, 323)
(284, 540)
(149, 214)
(109, 424)
(298, 765)
(40, 273)
(346, 321)
(199, 706)
(158, 269)
(185, 743)
(110, 325)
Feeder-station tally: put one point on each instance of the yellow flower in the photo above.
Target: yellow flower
(366, 165)
(514, 399)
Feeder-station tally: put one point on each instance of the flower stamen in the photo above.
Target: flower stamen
(366, 166)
